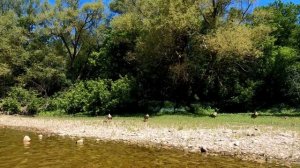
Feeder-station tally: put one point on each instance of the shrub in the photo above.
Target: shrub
(22, 101)
(10, 106)
(201, 110)
(93, 97)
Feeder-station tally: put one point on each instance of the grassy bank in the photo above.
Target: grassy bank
(179, 122)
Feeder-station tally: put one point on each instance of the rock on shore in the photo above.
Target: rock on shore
(246, 143)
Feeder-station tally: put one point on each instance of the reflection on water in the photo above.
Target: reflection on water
(26, 144)
(54, 151)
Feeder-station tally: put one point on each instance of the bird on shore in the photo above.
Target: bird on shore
(109, 117)
(146, 117)
(254, 115)
(214, 115)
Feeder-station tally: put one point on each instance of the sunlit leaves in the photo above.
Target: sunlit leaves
(238, 41)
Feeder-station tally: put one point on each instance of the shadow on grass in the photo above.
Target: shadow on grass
(281, 112)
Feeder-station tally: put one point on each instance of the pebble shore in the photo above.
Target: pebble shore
(248, 143)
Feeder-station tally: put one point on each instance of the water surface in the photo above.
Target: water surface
(55, 151)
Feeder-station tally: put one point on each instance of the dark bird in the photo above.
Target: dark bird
(254, 115)
(146, 117)
(109, 117)
(214, 115)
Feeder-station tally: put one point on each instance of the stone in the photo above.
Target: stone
(203, 149)
(26, 139)
(40, 137)
(80, 141)
(250, 134)
(237, 143)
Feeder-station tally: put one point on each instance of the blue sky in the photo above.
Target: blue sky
(258, 2)
(83, 1)
(266, 2)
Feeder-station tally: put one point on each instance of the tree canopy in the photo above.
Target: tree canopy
(139, 54)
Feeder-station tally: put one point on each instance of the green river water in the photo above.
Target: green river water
(55, 151)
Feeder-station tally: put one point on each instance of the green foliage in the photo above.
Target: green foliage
(202, 110)
(94, 97)
(10, 105)
(22, 101)
(293, 82)
(75, 27)
(283, 17)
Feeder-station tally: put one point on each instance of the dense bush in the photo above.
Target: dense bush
(10, 106)
(93, 97)
(22, 101)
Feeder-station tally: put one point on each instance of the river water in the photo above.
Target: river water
(55, 151)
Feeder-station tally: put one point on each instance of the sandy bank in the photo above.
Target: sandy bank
(248, 143)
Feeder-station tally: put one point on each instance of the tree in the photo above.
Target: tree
(11, 49)
(164, 34)
(73, 25)
(284, 19)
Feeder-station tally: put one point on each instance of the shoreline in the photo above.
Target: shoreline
(251, 143)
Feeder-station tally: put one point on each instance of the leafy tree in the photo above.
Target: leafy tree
(283, 17)
(11, 49)
(74, 26)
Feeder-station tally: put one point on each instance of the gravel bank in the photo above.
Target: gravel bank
(248, 143)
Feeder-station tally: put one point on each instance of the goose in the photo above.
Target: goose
(254, 115)
(214, 115)
(109, 117)
(146, 117)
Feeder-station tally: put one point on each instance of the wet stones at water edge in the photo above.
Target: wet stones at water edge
(26, 138)
(146, 117)
(79, 142)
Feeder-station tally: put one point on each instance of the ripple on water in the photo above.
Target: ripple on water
(56, 151)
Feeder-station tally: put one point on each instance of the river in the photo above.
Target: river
(57, 151)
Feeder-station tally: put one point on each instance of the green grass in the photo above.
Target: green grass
(222, 121)
(179, 122)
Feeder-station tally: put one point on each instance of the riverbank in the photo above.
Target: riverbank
(254, 142)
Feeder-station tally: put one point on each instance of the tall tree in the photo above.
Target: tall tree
(74, 25)
(11, 47)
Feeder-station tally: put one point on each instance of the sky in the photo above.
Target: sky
(258, 2)
(266, 2)
(83, 1)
